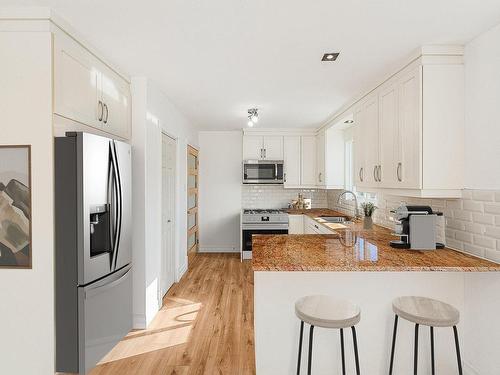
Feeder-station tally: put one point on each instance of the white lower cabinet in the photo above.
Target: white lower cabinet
(311, 226)
(295, 224)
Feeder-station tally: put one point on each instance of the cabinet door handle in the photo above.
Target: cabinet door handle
(107, 113)
(379, 173)
(100, 110)
(262, 153)
(319, 177)
(265, 153)
(375, 168)
(284, 177)
(398, 172)
(361, 174)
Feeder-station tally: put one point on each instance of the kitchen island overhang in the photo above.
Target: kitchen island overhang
(360, 266)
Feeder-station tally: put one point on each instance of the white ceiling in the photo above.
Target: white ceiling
(216, 58)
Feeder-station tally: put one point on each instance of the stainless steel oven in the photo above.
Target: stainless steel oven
(263, 172)
(260, 221)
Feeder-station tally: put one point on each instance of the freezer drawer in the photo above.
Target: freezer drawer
(107, 316)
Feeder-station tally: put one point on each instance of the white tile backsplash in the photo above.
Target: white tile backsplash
(276, 196)
(472, 223)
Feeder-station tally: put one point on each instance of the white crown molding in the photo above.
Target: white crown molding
(279, 131)
(28, 19)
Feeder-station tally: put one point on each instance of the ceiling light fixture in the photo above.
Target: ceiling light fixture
(330, 56)
(348, 121)
(253, 116)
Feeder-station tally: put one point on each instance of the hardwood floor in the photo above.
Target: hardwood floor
(204, 327)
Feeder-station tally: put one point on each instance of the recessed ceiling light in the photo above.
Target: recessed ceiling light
(330, 56)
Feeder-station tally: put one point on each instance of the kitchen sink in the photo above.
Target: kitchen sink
(334, 219)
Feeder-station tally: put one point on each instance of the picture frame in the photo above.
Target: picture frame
(16, 243)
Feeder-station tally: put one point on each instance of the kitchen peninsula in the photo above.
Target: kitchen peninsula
(358, 265)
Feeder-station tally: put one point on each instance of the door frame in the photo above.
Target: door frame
(191, 151)
(175, 221)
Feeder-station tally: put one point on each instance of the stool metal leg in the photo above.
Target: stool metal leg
(393, 342)
(300, 346)
(457, 346)
(355, 341)
(432, 351)
(415, 358)
(342, 350)
(309, 362)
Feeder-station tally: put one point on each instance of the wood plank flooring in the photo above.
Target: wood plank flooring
(204, 327)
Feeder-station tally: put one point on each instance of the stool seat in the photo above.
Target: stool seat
(327, 312)
(426, 311)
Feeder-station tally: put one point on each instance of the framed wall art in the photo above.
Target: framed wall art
(15, 206)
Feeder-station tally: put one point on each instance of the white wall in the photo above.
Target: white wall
(482, 158)
(27, 296)
(220, 191)
(152, 113)
(482, 115)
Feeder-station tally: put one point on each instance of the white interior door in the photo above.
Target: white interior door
(168, 212)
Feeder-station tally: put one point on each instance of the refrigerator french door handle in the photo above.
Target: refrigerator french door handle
(119, 195)
(115, 206)
(112, 203)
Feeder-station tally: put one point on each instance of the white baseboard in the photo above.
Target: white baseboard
(182, 270)
(219, 249)
(139, 321)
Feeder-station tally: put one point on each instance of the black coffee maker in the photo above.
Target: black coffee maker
(416, 228)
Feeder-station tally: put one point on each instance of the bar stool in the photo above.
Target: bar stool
(428, 312)
(327, 312)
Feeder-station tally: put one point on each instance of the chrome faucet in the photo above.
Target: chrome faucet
(356, 208)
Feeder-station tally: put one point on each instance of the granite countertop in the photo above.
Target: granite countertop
(354, 249)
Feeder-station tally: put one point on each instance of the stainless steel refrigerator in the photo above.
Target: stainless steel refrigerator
(93, 248)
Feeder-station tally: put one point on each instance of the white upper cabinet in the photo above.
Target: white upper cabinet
(258, 147)
(409, 131)
(359, 151)
(116, 100)
(330, 158)
(308, 161)
(273, 147)
(408, 164)
(292, 159)
(88, 91)
(389, 167)
(77, 83)
(371, 140)
(320, 159)
(253, 147)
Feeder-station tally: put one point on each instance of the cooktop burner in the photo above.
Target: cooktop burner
(259, 211)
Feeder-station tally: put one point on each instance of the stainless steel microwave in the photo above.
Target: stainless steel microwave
(263, 172)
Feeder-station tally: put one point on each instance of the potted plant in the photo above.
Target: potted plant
(368, 209)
